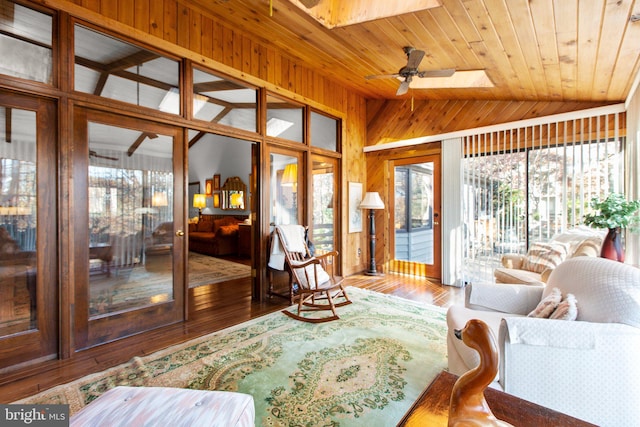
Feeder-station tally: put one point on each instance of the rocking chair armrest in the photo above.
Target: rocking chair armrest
(327, 254)
(301, 264)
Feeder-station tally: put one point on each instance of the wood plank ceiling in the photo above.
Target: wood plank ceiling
(536, 50)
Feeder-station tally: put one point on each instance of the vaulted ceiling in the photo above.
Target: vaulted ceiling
(535, 50)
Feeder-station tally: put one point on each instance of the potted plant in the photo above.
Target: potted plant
(614, 213)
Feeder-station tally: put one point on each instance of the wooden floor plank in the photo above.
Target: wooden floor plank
(212, 308)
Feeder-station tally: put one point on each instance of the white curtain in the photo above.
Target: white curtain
(632, 181)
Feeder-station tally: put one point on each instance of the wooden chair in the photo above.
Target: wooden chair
(314, 275)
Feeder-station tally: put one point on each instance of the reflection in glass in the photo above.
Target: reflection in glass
(18, 209)
(284, 198)
(224, 102)
(284, 119)
(323, 205)
(324, 132)
(25, 43)
(130, 219)
(414, 213)
(111, 68)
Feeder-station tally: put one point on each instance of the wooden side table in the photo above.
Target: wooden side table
(432, 408)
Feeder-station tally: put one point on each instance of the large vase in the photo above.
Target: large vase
(612, 245)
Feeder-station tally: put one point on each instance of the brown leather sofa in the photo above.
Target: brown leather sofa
(215, 235)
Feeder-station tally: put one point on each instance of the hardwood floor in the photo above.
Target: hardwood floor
(211, 309)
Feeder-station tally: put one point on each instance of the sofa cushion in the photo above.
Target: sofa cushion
(542, 256)
(228, 230)
(607, 291)
(576, 236)
(227, 220)
(588, 247)
(567, 309)
(513, 275)
(547, 305)
(202, 236)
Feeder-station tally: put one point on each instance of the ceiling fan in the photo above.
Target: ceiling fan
(101, 156)
(409, 71)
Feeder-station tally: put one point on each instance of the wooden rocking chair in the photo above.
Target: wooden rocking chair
(314, 275)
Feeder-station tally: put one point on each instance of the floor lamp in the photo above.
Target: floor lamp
(372, 201)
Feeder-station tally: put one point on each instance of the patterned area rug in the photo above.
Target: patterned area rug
(206, 270)
(134, 287)
(365, 369)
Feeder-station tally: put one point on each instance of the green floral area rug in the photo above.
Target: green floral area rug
(365, 369)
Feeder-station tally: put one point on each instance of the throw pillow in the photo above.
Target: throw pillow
(542, 256)
(567, 309)
(548, 304)
(227, 230)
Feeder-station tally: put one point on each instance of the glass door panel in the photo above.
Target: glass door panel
(28, 276)
(285, 185)
(132, 244)
(416, 217)
(323, 232)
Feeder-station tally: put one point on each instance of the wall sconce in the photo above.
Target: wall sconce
(372, 201)
(200, 202)
(216, 199)
(290, 176)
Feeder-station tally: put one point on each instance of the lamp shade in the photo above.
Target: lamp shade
(199, 201)
(290, 174)
(159, 199)
(372, 200)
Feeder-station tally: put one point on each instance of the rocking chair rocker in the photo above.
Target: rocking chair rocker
(314, 276)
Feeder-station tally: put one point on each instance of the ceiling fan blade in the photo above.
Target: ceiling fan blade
(382, 76)
(415, 58)
(447, 72)
(403, 88)
(100, 156)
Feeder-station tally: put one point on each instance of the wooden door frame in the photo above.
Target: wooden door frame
(434, 271)
(40, 342)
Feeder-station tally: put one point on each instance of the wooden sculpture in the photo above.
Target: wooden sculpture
(468, 407)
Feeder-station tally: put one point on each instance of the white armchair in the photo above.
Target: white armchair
(586, 368)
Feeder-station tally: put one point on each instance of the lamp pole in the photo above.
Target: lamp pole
(372, 271)
(372, 201)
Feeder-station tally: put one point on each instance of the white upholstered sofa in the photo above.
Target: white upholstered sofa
(534, 267)
(588, 368)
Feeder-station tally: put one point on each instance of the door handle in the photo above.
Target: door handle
(179, 233)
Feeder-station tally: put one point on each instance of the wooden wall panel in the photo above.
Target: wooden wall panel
(393, 120)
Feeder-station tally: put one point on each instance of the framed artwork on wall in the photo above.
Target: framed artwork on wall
(355, 213)
(208, 187)
(216, 182)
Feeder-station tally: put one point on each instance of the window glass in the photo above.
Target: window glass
(18, 215)
(223, 102)
(284, 190)
(323, 204)
(324, 132)
(25, 43)
(111, 68)
(284, 119)
(130, 197)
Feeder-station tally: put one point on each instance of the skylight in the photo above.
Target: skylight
(340, 13)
